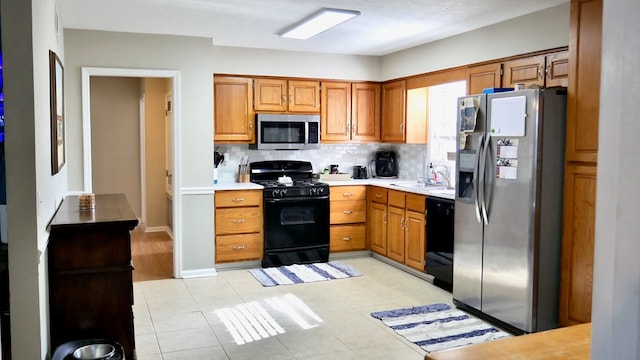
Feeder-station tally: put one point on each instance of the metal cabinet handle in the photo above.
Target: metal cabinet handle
(237, 199)
(239, 247)
(347, 194)
(402, 127)
(346, 128)
(346, 238)
(238, 221)
(384, 218)
(353, 129)
(284, 98)
(540, 75)
(378, 196)
(251, 125)
(347, 212)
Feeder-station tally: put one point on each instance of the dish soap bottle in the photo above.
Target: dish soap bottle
(430, 174)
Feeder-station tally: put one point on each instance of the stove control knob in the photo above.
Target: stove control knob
(275, 193)
(312, 191)
(283, 192)
(320, 190)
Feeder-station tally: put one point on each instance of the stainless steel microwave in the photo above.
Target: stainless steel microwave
(287, 132)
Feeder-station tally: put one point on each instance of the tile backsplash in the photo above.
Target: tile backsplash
(411, 158)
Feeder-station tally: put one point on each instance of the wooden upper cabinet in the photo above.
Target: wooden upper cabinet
(280, 95)
(365, 112)
(350, 112)
(528, 71)
(271, 95)
(233, 110)
(393, 111)
(557, 69)
(304, 96)
(583, 92)
(335, 113)
(482, 77)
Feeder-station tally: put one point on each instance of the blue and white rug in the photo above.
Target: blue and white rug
(303, 273)
(438, 326)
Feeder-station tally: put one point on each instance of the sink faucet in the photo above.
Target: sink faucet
(443, 171)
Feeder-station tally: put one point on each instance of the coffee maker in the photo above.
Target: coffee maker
(385, 164)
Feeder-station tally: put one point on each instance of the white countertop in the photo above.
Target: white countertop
(386, 183)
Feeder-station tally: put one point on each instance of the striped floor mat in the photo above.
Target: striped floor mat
(438, 327)
(303, 273)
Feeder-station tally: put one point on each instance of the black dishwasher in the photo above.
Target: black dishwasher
(439, 241)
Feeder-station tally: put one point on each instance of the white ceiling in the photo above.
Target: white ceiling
(385, 26)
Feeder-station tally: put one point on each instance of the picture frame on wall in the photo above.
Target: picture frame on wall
(56, 79)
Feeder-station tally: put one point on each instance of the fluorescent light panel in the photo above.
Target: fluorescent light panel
(320, 21)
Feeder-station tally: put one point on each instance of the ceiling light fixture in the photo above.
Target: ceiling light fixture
(320, 21)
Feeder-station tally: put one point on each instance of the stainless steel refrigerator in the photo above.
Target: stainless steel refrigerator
(508, 222)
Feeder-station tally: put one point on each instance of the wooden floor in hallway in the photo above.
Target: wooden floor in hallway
(152, 255)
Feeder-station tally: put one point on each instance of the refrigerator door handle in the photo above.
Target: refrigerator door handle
(477, 174)
(487, 181)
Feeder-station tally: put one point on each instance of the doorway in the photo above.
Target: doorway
(126, 115)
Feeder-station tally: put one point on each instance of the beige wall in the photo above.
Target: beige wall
(156, 198)
(115, 137)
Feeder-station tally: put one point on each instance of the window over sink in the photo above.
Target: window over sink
(442, 115)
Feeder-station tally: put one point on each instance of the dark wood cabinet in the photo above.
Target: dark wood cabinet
(90, 272)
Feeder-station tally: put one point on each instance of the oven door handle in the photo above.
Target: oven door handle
(297, 199)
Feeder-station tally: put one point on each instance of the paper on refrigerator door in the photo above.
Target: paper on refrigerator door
(508, 116)
(468, 114)
(507, 158)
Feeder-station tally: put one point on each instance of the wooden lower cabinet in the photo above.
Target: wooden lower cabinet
(578, 245)
(348, 216)
(415, 240)
(377, 219)
(348, 237)
(395, 233)
(239, 228)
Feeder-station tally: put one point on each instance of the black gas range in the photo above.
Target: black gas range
(296, 212)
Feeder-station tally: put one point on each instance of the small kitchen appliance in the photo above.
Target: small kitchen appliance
(386, 164)
(359, 172)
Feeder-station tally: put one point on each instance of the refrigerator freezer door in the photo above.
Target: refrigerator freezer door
(509, 235)
(467, 252)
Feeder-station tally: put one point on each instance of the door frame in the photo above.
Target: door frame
(87, 73)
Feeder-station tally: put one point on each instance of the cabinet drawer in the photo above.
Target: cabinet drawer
(347, 237)
(238, 220)
(238, 247)
(232, 198)
(416, 202)
(396, 198)
(339, 193)
(345, 212)
(377, 194)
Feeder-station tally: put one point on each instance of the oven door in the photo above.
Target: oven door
(296, 222)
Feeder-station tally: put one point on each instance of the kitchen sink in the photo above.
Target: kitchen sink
(419, 185)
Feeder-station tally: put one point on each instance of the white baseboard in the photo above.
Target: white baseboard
(187, 274)
(159, 229)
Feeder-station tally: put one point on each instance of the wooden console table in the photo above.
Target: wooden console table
(568, 343)
(90, 272)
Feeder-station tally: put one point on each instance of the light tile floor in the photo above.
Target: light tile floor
(177, 319)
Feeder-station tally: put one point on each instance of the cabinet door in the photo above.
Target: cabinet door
(393, 111)
(577, 245)
(271, 95)
(482, 77)
(304, 96)
(583, 92)
(365, 112)
(529, 71)
(377, 227)
(557, 69)
(415, 240)
(396, 234)
(233, 110)
(335, 114)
